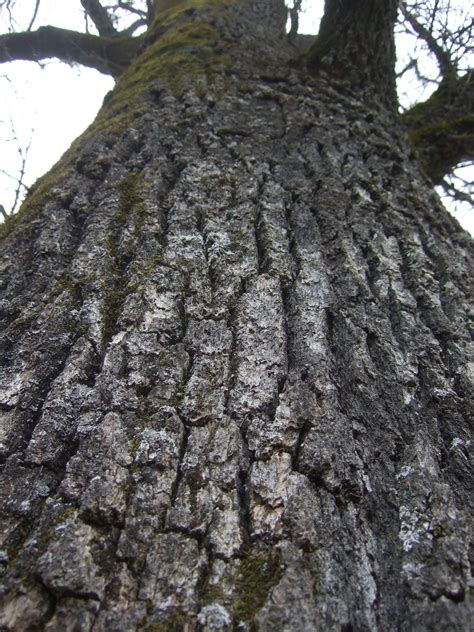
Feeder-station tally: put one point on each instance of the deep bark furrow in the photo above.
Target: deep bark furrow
(336, 337)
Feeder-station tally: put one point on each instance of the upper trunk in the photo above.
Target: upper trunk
(355, 43)
(234, 344)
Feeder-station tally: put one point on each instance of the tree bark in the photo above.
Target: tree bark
(234, 380)
(355, 42)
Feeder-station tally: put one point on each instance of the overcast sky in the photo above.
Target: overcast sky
(49, 105)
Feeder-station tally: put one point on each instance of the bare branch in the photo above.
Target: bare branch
(443, 58)
(20, 184)
(100, 17)
(456, 191)
(128, 6)
(23, 154)
(8, 5)
(459, 195)
(130, 30)
(412, 64)
(107, 55)
(151, 8)
(33, 18)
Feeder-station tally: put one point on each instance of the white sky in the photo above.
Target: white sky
(52, 103)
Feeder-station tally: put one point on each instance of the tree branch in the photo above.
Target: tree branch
(443, 58)
(456, 194)
(35, 13)
(128, 6)
(130, 30)
(150, 7)
(355, 42)
(100, 17)
(107, 55)
(294, 12)
(442, 128)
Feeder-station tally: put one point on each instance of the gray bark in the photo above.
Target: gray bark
(234, 380)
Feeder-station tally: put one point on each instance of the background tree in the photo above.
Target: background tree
(235, 386)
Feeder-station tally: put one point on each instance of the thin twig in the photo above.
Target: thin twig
(35, 13)
(445, 64)
(24, 156)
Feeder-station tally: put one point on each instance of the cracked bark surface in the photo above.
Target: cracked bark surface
(234, 380)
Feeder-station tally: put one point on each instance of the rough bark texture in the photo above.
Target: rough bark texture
(234, 386)
(355, 42)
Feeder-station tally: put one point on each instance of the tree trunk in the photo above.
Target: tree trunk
(234, 387)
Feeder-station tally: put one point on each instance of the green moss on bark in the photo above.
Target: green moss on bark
(258, 575)
(175, 621)
(444, 144)
(129, 204)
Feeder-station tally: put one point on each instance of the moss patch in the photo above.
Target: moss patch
(170, 10)
(129, 204)
(258, 575)
(463, 125)
(16, 541)
(212, 594)
(130, 201)
(112, 307)
(184, 49)
(174, 622)
(443, 144)
(129, 190)
(179, 55)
